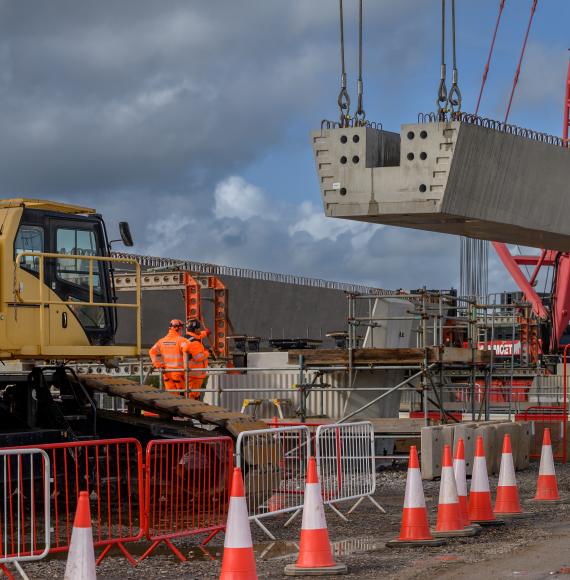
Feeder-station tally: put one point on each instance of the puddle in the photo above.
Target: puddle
(284, 548)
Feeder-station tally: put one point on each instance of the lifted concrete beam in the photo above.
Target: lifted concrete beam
(451, 177)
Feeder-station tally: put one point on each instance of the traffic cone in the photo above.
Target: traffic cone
(449, 516)
(415, 528)
(546, 486)
(507, 502)
(480, 509)
(460, 472)
(81, 556)
(315, 553)
(238, 562)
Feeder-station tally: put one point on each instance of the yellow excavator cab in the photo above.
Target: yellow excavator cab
(57, 297)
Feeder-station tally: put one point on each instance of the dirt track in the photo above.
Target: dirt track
(537, 547)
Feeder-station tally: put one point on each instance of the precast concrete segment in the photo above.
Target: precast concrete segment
(453, 177)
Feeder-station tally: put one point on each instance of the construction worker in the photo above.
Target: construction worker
(167, 354)
(197, 359)
(194, 329)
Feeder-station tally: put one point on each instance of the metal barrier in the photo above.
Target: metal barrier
(187, 488)
(542, 417)
(346, 464)
(111, 470)
(25, 508)
(274, 463)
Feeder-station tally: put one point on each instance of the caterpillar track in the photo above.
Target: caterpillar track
(147, 398)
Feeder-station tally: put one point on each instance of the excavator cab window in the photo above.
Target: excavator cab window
(70, 277)
(29, 239)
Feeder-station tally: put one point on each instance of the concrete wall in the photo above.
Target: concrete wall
(256, 307)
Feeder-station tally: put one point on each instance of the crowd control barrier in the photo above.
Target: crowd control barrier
(187, 488)
(24, 508)
(346, 464)
(111, 470)
(274, 463)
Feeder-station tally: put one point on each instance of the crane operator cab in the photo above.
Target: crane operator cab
(57, 297)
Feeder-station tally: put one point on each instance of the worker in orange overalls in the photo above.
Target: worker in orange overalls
(194, 329)
(167, 354)
(197, 359)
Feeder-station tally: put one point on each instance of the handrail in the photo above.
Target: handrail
(42, 303)
(218, 270)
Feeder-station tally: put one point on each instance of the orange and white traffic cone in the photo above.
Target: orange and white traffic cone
(507, 502)
(238, 562)
(449, 516)
(415, 528)
(546, 486)
(480, 509)
(315, 552)
(81, 557)
(460, 471)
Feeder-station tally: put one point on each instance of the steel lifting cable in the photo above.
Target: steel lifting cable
(343, 97)
(489, 58)
(360, 114)
(451, 101)
(441, 101)
(518, 71)
(454, 97)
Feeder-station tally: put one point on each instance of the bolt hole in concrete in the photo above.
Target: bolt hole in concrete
(343, 191)
(355, 138)
(343, 160)
(411, 156)
(423, 188)
(423, 134)
(344, 139)
(423, 156)
(411, 135)
(355, 159)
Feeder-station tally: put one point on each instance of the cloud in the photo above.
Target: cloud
(236, 198)
(312, 220)
(156, 112)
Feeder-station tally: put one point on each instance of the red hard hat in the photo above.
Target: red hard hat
(175, 322)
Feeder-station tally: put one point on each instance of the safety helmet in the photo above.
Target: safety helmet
(176, 323)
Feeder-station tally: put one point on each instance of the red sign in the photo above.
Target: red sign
(502, 347)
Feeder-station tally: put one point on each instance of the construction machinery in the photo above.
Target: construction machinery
(58, 306)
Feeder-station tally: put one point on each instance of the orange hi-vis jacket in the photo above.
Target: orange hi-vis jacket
(197, 357)
(168, 350)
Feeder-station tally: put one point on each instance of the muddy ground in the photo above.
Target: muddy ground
(537, 547)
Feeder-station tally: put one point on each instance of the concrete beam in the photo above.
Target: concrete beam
(452, 177)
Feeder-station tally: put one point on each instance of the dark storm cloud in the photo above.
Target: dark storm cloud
(145, 109)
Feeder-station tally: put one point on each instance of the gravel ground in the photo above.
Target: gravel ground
(502, 551)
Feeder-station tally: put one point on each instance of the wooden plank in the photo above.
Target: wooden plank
(388, 356)
(362, 356)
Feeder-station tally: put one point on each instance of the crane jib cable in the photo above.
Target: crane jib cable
(518, 71)
(489, 58)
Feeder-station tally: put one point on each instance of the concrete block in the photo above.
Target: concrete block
(432, 450)
(447, 436)
(457, 178)
(466, 431)
(522, 455)
(514, 431)
(489, 434)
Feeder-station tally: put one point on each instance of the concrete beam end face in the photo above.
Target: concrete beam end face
(431, 451)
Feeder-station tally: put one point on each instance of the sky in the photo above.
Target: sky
(190, 119)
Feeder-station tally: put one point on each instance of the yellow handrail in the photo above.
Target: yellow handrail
(43, 303)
